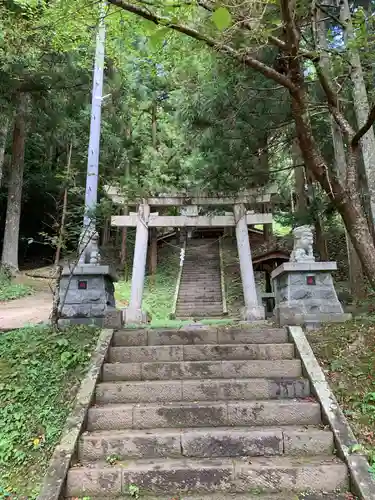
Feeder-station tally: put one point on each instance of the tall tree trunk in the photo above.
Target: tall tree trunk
(154, 124)
(12, 222)
(347, 201)
(4, 128)
(304, 196)
(299, 180)
(124, 234)
(356, 278)
(60, 241)
(361, 108)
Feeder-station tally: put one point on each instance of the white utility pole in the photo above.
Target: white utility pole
(91, 196)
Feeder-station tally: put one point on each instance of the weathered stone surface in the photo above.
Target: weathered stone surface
(129, 444)
(110, 417)
(231, 442)
(186, 336)
(283, 473)
(262, 368)
(245, 496)
(142, 354)
(238, 352)
(130, 338)
(284, 388)
(121, 371)
(138, 392)
(182, 370)
(223, 390)
(295, 298)
(276, 474)
(93, 301)
(308, 440)
(180, 415)
(204, 442)
(251, 335)
(112, 318)
(274, 413)
(179, 476)
(85, 481)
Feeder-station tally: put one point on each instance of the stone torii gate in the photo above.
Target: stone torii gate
(144, 220)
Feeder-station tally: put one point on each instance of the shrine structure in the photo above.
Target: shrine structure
(251, 207)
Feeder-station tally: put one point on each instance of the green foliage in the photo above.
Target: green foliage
(347, 352)
(134, 491)
(158, 296)
(40, 370)
(222, 18)
(10, 290)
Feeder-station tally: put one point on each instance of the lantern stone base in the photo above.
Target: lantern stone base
(305, 294)
(87, 297)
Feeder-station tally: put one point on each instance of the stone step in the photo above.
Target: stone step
(191, 264)
(202, 270)
(197, 315)
(182, 370)
(200, 287)
(204, 414)
(199, 306)
(200, 295)
(201, 281)
(200, 335)
(196, 289)
(258, 495)
(224, 352)
(206, 307)
(204, 443)
(203, 274)
(161, 476)
(192, 301)
(201, 390)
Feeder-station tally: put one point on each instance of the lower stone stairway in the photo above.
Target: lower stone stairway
(205, 413)
(200, 293)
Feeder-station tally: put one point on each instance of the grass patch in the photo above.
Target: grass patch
(158, 295)
(40, 372)
(9, 290)
(347, 354)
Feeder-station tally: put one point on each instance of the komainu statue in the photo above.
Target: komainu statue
(303, 245)
(89, 248)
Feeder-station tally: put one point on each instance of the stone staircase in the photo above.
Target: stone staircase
(200, 288)
(205, 414)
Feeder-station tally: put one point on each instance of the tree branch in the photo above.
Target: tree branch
(366, 127)
(250, 61)
(333, 103)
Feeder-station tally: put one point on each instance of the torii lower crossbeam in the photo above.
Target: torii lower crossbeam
(240, 219)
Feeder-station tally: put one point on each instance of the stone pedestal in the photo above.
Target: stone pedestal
(305, 294)
(87, 296)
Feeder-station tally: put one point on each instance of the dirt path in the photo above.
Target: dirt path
(28, 310)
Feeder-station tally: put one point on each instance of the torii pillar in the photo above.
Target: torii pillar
(252, 311)
(133, 313)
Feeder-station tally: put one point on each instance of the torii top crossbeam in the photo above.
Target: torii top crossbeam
(253, 196)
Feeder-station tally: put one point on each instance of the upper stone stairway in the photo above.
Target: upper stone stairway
(205, 413)
(200, 294)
